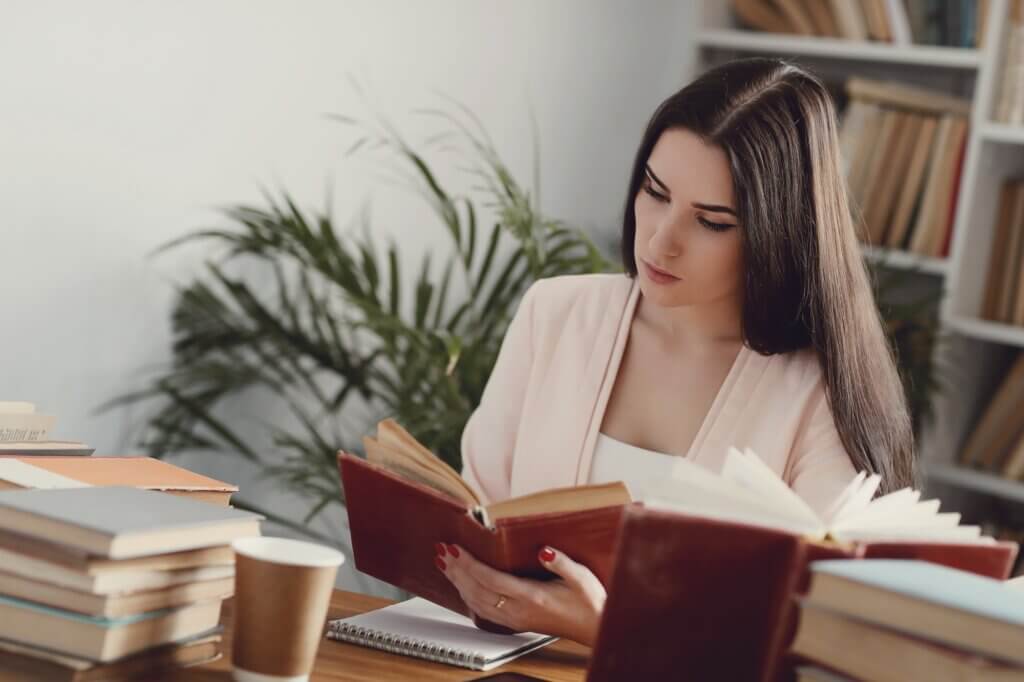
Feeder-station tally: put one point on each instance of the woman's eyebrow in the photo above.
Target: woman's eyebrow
(717, 208)
(655, 178)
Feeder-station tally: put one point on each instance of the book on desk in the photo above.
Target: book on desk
(703, 548)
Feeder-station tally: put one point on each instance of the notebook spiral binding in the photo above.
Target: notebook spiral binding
(418, 648)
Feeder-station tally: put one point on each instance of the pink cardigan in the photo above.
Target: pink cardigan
(538, 419)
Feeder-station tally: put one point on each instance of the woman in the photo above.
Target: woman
(745, 318)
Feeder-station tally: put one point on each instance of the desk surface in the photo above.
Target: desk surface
(558, 662)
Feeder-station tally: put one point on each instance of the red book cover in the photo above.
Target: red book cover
(696, 599)
(396, 523)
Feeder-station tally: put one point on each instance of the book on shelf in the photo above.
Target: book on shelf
(907, 178)
(953, 23)
(1009, 106)
(995, 441)
(910, 619)
(138, 472)
(23, 663)
(403, 499)
(418, 628)
(1003, 299)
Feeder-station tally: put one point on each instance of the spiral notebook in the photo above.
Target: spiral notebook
(422, 629)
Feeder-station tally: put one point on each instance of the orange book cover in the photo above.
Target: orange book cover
(137, 472)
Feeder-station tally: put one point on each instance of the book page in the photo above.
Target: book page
(391, 435)
(695, 490)
(413, 470)
(577, 498)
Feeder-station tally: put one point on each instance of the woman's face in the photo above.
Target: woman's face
(687, 246)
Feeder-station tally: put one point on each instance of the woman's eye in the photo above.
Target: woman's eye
(658, 197)
(716, 227)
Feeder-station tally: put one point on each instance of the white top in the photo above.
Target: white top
(640, 469)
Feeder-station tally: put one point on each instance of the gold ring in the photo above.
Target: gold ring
(501, 601)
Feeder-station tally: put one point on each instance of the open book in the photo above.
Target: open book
(748, 491)
(402, 500)
(397, 450)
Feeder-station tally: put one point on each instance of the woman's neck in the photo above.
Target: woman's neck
(701, 326)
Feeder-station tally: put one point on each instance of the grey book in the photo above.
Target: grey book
(121, 522)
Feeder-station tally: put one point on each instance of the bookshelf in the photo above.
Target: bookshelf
(977, 351)
(927, 56)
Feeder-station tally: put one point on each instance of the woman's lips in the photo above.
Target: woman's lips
(659, 276)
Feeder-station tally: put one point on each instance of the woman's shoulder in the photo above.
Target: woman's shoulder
(557, 295)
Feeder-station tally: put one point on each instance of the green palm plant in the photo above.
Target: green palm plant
(324, 321)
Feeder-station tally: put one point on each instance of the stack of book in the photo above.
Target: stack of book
(113, 582)
(903, 150)
(1010, 101)
(1004, 286)
(996, 442)
(908, 620)
(954, 23)
(23, 431)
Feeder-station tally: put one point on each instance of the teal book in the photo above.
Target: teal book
(956, 608)
(122, 522)
(102, 639)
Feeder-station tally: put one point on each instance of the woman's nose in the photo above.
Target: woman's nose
(666, 240)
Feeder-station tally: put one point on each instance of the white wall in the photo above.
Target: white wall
(124, 123)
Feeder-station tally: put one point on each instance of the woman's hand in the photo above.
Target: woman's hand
(567, 607)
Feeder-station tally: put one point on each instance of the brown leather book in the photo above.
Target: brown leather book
(716, 599)
(696, 599)
(397, 515)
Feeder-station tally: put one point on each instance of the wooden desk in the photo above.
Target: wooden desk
(559, 662)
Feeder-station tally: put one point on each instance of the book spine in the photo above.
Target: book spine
(406, 646)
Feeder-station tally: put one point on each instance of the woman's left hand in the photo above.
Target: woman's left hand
(567, 607)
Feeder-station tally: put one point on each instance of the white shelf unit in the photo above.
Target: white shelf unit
(979, 349)
(837, 48)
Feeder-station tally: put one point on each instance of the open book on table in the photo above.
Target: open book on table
(899, 524)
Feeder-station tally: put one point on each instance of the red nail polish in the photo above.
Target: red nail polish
(546, 555)
(439, 548)
(453, 550)
(439, 563)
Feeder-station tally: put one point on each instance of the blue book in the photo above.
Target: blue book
(942, 604)
(102, 639)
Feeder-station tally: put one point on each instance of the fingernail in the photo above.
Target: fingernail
(546, 554)
(439, 563)
(439, 548)
(453, 550)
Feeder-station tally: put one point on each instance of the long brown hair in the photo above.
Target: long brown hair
(806, 284)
